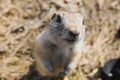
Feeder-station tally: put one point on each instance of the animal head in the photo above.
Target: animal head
(66, 28)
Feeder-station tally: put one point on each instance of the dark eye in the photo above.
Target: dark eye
(58, 19)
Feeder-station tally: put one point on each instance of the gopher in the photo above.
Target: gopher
(58, 48)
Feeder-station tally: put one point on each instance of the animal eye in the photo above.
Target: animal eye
(58, 19)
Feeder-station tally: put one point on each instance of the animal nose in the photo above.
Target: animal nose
(74, 34)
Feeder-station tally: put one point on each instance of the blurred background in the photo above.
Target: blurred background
(22, 20)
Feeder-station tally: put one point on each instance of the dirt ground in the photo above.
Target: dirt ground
(22, 20)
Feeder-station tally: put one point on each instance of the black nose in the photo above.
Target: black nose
(73, 34)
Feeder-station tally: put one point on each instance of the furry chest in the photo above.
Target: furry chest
(59, 59)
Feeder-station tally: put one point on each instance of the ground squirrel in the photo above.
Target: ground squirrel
(58, 48)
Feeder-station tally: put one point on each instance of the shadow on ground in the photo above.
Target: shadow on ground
(34, 75)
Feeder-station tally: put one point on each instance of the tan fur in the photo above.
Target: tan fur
(52, 53)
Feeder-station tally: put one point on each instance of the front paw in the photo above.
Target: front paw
(49, 67)
(67, 70)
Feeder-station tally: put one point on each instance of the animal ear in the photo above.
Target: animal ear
(56, 18)
(53, 16)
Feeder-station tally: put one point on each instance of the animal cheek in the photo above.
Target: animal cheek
(78, 29)
(66, 35)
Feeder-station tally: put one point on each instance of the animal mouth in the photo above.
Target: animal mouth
(70, 40)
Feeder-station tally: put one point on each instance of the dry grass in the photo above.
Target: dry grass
(22, 20)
